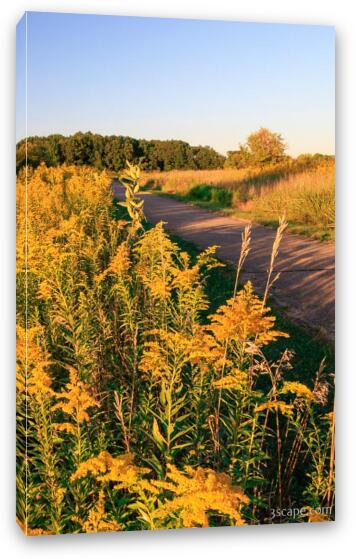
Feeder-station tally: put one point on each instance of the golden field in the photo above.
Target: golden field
(302, 191)
(137, 407)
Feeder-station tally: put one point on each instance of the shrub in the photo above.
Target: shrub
(210, 193)
(221, 197)
(201, 192)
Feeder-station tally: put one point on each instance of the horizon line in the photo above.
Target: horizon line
(161, 140)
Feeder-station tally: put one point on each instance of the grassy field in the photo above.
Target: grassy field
(304, 193)
(152, 390)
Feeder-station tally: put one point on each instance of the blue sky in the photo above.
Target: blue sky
(206, 82)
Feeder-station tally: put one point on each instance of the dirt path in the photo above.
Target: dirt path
(306, 285)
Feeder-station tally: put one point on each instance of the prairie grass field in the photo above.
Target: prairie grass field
(154, 390)
(303, 190)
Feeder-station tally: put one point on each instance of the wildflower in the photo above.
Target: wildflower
(27, 346)
(176, 349)
(299, 389)
(59, 493)
(197, 492)
(207, 258)
(20, 381)
(184, 279)
(243, 318)
(98, 520)
(159, 289)
(105, 468)
(32, 363)
(119, 264)
(76, 400)
(154, 361)
(44, 291)
(66, 427)
(237, 380)
(32, 531)
(39, 382)
(130, 179)
(275, 405)
(155, 266)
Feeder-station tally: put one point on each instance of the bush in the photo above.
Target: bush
(221, 197)
(201, 192)
(213, 194)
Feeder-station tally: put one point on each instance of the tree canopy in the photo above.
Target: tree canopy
(111, 152)
(261, 147)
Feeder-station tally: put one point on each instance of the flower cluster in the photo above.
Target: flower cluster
(244, 319)
(74, 401)
(196, 492)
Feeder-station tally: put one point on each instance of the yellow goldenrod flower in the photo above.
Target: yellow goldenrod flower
(98, 520)
(243, 318)
(32, 531)
(299, 389)
(44, 291)
(179, 349)
(66, 427)
(236, 380)
(32, 362)
(75, 400)
(105, 468)
(197, 492)
(39, 382)
(120, 263)
(274, 405)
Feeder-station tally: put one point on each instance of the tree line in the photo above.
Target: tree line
(112, 152)
(261, 148)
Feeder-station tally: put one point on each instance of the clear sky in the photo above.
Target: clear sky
(206, 82)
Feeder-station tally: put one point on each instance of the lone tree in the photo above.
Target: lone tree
(265, 146)
(261, 147)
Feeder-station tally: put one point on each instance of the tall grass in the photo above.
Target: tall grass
(304, 193)
(133, 410)
(181, 182)
(237, 180)
(306, 198)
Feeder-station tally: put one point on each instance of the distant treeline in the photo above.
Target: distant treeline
(111, 152)
(262, 149)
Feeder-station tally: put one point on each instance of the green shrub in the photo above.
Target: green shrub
(221, 197)
(201, 192)
(215, 195)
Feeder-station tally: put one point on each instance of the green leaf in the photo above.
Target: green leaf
(158, 437)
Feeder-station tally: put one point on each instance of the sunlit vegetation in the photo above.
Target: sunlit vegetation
(302, 189)
(258, 181)
(139, 406)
